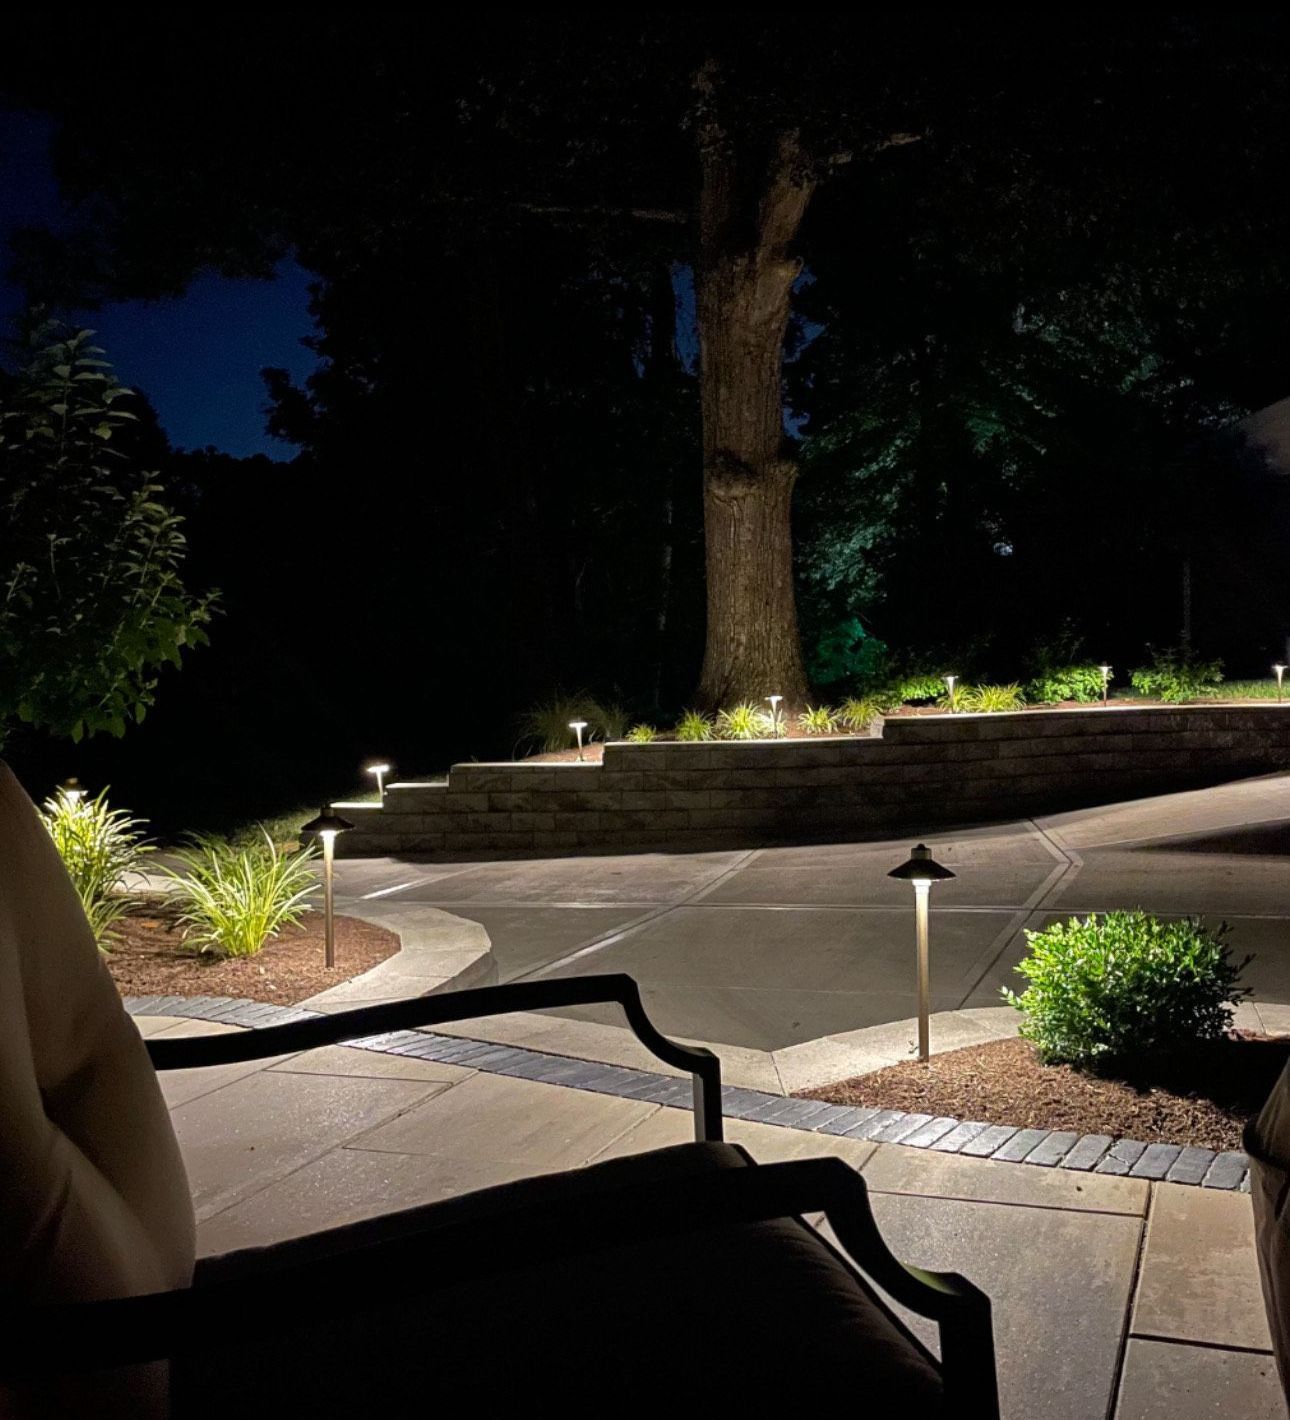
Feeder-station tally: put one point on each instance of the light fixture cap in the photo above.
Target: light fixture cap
(577, 724)
(377, 768)
(920, 866)
(71, 786)
(328, 821)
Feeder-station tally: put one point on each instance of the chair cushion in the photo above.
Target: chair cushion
(739, 1310)
(96, 1199)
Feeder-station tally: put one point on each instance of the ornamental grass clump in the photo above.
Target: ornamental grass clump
(818, 720)
(1126, 987)
(992, 699)
(744, 722)
(858, 713)
(642, 735)
(694, 727)
(234, 900)
(546, 726)
(100, 848)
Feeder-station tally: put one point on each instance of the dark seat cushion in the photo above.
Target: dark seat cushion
(740, 1311)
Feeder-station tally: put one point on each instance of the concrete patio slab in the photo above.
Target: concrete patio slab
(1163, 1382)
(180, 1086)
(894, 1169)
(246, 1135)
(1059, 1281)
(368, 1064)
(1199, 1280)
(497, 1118)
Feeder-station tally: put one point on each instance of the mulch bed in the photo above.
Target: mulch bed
(149, 958)
(1204, 1099)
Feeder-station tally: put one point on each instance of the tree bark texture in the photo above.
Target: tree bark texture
(744, 282)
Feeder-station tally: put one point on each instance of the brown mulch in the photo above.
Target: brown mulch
(1204, 1099)
(149, 958)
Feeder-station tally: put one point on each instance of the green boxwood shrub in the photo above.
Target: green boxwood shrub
(1175, 676)
(1082, 683)
(1125, 986)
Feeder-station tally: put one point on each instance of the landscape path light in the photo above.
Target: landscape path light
(1279, 670)
(327, 825)
(1106, 681)
(950, 682)
(577, 726)
(922, 870)
(380, 771)
(71, 790)
(774, 713)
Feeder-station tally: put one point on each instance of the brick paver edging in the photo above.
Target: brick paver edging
(1044, 1148)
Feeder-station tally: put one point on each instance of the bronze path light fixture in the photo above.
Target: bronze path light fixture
(71, 790)
(327, 825)
(1106, 681)
(922, 870)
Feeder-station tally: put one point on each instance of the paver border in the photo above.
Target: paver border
(1184, 1164)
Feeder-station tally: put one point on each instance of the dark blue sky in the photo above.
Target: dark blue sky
(197, 358)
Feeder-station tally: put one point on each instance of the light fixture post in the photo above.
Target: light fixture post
(950, 682)
(379, 771)
(1106, 682)
(577, 726)
(1279, 670)
(327, 826)
(922, 870)
(774, 714)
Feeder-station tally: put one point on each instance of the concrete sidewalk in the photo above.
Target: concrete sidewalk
(1112, 1296)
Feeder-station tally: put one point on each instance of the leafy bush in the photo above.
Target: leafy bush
(858, 713)
(991, 699)
(846, 652)
(92, 601)
(694, 727)
(233, 900)
(744, 722)
(1125, 986)
(100, 848)
(919, 687)
(546, 727)
(642, 734)
(1174, 676)
(818, 720)
(1082, 683)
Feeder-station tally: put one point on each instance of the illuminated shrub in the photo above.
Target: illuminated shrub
(642, 734)
(1082, 683)
(818, 720)
(744, 722)
(1174, 676)
(694, 727)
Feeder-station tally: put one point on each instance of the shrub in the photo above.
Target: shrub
(1174, 676)
(1125, 986)
(606, 722)
(818, 720)
(744, 722)
(846, 652)
(919, 687)
(956, 699)
(991, 699)
(858, 713)
(642, 734)
(546, 727)
(100, 847)
(1082, 683)
(233, 900)
(694, 726)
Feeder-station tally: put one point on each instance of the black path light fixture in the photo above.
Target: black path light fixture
(326, 826)
(921, 869)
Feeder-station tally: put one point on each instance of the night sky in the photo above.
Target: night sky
(197, 358)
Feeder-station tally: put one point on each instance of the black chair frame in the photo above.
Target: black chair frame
(85, 1337)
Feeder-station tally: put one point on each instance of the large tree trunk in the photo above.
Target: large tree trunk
(744, 282)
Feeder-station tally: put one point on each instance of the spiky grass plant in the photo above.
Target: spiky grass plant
(992, 699)
(642, 735)
(100, 848)
(233, 900)
(694, 727)
(607, 721)
(744, 722)
(858, 713)
(545, 728)
(818, 720)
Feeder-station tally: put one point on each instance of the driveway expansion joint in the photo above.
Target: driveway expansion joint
(1042, 1148)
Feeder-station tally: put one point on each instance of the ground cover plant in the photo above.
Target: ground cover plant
(1175, 676)
(1074, 682)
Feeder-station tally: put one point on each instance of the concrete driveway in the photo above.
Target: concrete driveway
(771, 948)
